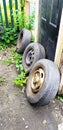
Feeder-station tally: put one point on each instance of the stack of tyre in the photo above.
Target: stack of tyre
(44, 77)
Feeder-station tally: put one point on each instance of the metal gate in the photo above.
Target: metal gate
(50, 13)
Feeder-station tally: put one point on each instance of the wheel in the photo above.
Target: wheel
(31, 55)
(23, 40)
(43, 82)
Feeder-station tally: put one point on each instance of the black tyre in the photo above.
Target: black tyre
(43, 82)
(42, 50)
(31, 55)
(23, 40)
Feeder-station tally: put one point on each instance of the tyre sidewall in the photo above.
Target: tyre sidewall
(25, 40)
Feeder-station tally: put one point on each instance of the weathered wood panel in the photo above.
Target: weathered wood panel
(59, 54)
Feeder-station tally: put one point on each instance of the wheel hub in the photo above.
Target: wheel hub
(30, 57)
(37, 80)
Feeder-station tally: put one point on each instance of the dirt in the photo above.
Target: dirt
(15, 111)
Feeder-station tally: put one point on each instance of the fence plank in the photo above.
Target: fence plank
(1, 19)
(5, 13)
(16, 8)
(16, 4)
(22, 2)
(11, 11)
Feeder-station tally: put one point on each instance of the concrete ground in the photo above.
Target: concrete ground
(15, 111)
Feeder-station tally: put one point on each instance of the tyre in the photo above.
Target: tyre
(23, 40)
(42, 50)
(31, 55)
(43, 82)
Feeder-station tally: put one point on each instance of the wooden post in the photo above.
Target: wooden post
(36, 20)
(59, 47)
(27, 8)
(59, 54)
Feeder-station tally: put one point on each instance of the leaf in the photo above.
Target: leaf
(7, 41)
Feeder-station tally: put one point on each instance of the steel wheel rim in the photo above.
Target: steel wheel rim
(37, 79)
(29, 57)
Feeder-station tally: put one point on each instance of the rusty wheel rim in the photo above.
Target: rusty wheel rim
(37, 79)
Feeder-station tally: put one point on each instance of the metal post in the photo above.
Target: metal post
(1, 19)
(16, 7)
(5, 12)
(11, 11)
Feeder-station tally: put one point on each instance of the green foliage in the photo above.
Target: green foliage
(30, 22)
(2, 80)
(22, 21)
(8, 37)
(19, 19)
(60, 98)
(16, 59)
(19, 66)
(21, 80)
(2, 46)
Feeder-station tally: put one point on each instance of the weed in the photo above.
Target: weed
(16, 94)
(23, 21)
(21, 80)
(2, 46)
(30, 21)
(60, 98)
(16, 59)
(2, 80)
(8, 37)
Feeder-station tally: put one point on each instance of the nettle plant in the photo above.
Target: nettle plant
(22, 21)
(9, 35)
(21, 80)
(22, 77)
